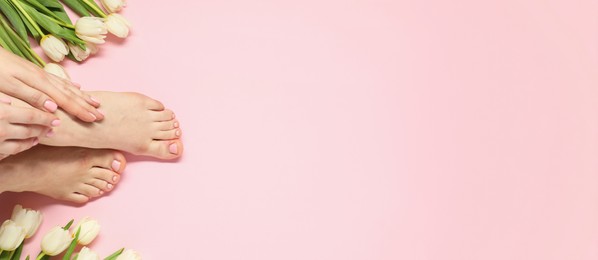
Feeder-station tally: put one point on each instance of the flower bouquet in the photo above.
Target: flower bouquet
(25, 222)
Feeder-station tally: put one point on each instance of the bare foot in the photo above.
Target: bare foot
(65, 173)
(133, 123)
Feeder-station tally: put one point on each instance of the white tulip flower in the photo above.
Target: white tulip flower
(56, 241)
(91, 29)
(11, 235)
(87, 254)
(89, 230)
(79, 53)
(93, 48)
(129, 255)
(27, 218)
(114, 6)
(117, 25)
(54, 47)
(57, 70)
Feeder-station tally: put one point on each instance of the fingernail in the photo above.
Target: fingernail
(6, 100)
(56, 122)
(94, 99)
(173, 148)
(94, 116)
(35, 141)
(50, 133)
(115, 165)
(109, 186)
(50, 105)
(101, 111)
(177, 132)
(176, 124)
(76, 84)
(115, 178)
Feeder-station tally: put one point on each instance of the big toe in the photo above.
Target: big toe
(165, 149)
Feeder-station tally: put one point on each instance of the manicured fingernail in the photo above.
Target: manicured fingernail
(56, 122)
(101, 111)
(6, 100)
(77, 85)
(116, 165)
(109, 186)
(115, 178)
(94, 116)
(173, 148)
(50, 133)
(94, 99)
(177, 132)
(35, 141)
(176, 124)
(50, 105)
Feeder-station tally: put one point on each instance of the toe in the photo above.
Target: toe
(89, 190)
(168, 135)
(153, 104)
(104, 175)
(165, 149)
(77, 198)
(164, 115)
(167, 125)
(101, 184)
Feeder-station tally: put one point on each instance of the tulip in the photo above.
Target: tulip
(55, 241)
(89, 230)
(27, 218)
(57, 70)
(114, 6)
(87, 254)
(79, 53)
(11, 235)
(117, 25)
(91, 29)
(54, 47)
(129, 255)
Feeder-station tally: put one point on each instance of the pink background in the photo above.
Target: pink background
(361, 129)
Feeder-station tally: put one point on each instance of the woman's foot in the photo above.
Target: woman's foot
(133, 123)
(66, 173)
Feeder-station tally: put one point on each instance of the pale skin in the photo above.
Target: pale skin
(134, 123)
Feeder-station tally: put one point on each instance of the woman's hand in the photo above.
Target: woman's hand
(21, 79)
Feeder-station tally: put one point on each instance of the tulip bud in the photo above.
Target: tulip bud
(87, 254)
(11, 235)
(117, 25)
(129, 255)
(91, 29)
(89, 230)
(78, 53)
(55, 241)
(57, 70)
(114, 6)
(54, 47)
(27, 218)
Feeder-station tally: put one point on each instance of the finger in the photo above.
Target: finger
(18, 131)
(76, 89)
(76, 99)
(68, 102)
(10, 147)
(26, 115)
(34, 97)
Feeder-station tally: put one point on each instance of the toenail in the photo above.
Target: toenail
(115, 178)
(173, 148)
(173, 116)
(56, 122)
(50, 133)
(101, 111)
(177, 132)
(176, 124)
(115, 165)
(50, 105)
(94, 116)
(109, 186)
(35, 141)
(101, 192)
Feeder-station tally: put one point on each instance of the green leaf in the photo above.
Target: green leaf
(30, 27)
(51, 26)
(13, 16)
(58, 9)
(5, 255)
(69, 252)
(115, 254)
(8, 43)
(77, 7)
(68, 225)
(22, 45)
(94, 8)
(51, 4)
(17, 254)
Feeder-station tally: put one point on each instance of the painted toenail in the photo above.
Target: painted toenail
(173, 116)
(50, 105)
(101, 192)
(177, 132)
(56, 122)
(109, 186)
(115, 178)
(176, 124)
(35, 141)
(116, 165)
(101, 111)
(94, 116)
(173, 148)
(50, 133)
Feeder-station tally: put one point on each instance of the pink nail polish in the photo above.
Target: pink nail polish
(173, 148)
(115, 178)
(115, 165)
(177, 132)
(101, 112)
(56, 122)
(94, 100)
(94, 116)
(35, 141)
(50, 105)
(109, 186)
(50, 133)
(6, 100)
(176, 124)
(101, 193)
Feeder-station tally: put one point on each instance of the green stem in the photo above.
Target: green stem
(20, 41)
(33, 23)
(11, 254)
(40, 256)
(1, 251)
(62, 23)
(95, 8)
